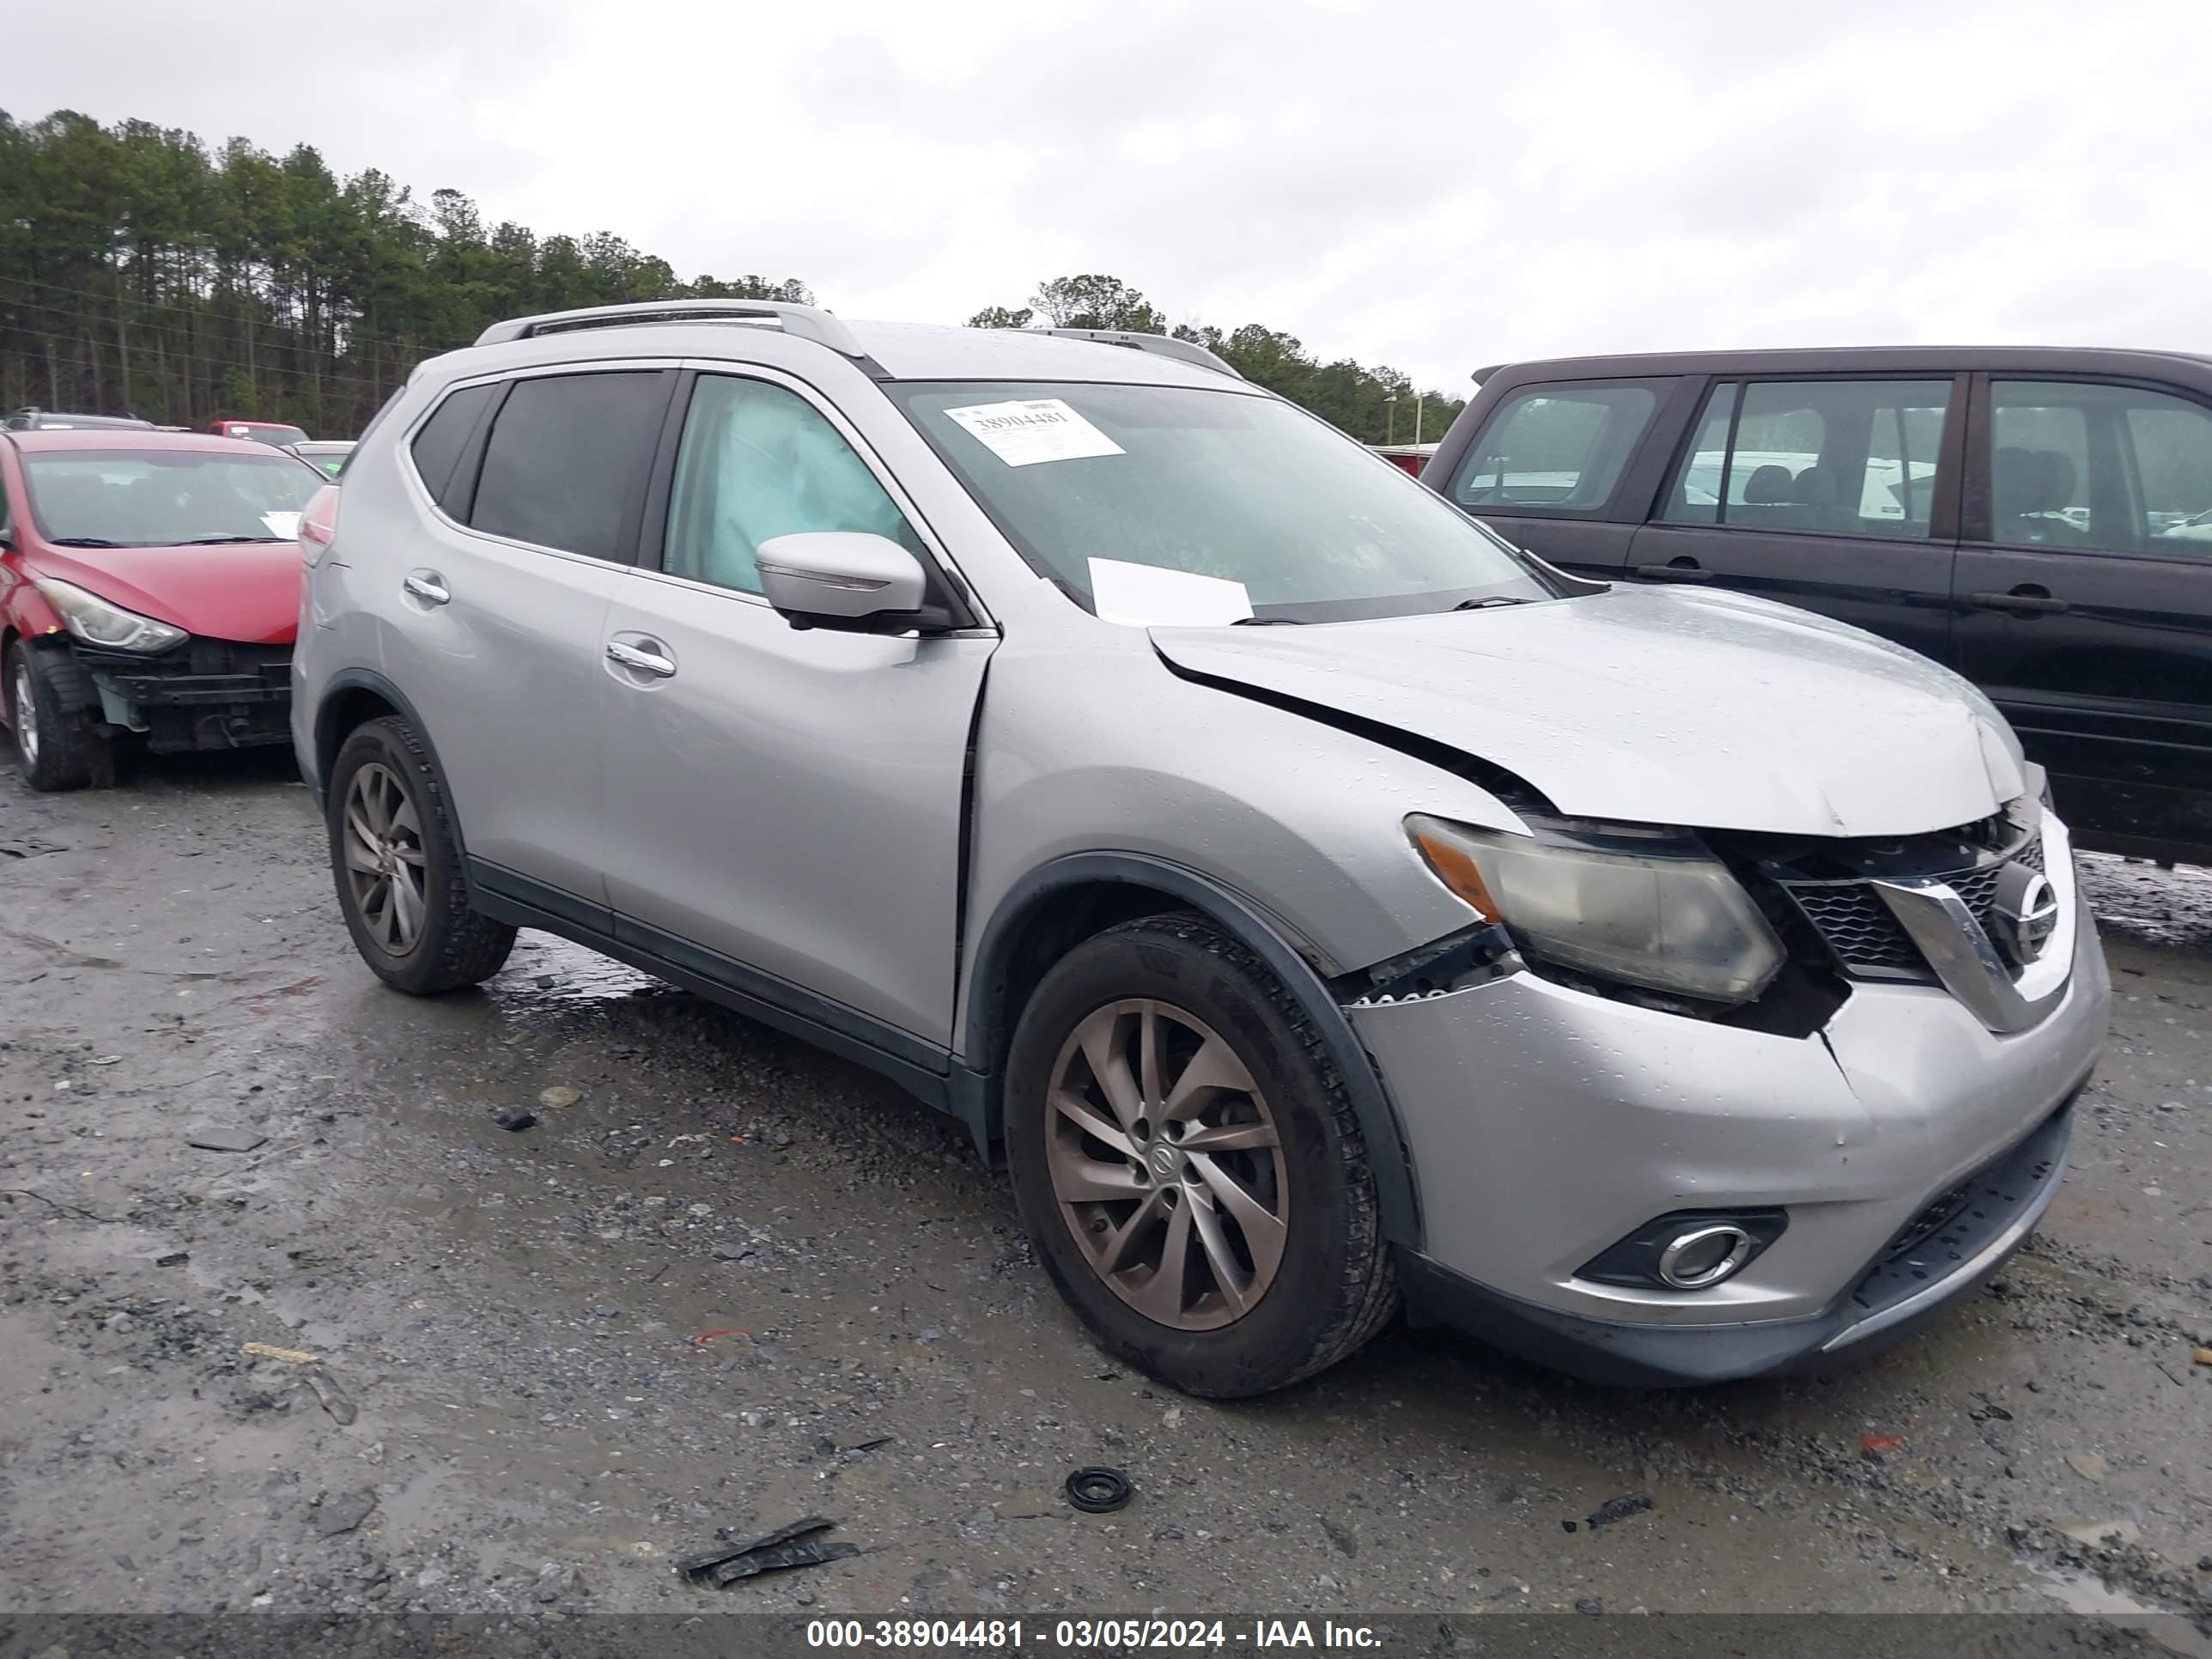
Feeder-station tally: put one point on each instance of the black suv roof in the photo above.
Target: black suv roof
(1940, 360)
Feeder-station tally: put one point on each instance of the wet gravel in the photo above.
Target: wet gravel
(721, 1281)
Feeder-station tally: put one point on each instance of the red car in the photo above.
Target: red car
(259, 432)
(149, 586)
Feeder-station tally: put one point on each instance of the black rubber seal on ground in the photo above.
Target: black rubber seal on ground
(1097, 1491)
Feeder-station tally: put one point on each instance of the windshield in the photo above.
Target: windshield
(1169, 504)
(148, 498)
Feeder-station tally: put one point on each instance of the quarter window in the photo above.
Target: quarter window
(438, 446)
(567, 460)
(1846, 457)
(758, 461)
(2117, 468)
(1555, 450)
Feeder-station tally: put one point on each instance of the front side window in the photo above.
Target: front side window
(1559, 449)
(2117, 468)
(569, 459)
(757, 461)
(1142, 488)
(1845, 457)
(164, 498)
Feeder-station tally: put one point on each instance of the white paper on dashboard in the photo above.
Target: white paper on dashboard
(286, 525)
(1034, 429)
(1146, 596)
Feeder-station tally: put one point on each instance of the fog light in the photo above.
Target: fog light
(1687, 1249)
(1704, 1255)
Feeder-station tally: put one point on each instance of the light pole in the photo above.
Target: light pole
(1391, 407)
(1417, 417)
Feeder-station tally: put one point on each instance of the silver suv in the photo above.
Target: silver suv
(1320, 902)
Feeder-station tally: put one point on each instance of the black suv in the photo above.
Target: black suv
(2039, 520)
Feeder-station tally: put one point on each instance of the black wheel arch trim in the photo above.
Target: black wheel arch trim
(328, 746)
(989, 1026)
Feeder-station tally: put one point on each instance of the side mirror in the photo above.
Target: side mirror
(846, 579)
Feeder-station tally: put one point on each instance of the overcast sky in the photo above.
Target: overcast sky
(1433, 186)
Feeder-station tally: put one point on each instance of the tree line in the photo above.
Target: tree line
(142, 271)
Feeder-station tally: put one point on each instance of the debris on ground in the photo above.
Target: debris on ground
(261, 1350)
(1618, 1509)
(342, 1511)
(335, 1400)
(219, 1137)
(705, 1337)
(1874, 1445)
(2090, 1465)
(2204, 1357)
(175, 1259)
(558, 1095)
(1100, 1491)
(516, 1121)
(2104, 1532)
(799, 1544)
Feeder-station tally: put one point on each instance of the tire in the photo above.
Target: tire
(1332, 1284)
(424, 937)
(46, 696)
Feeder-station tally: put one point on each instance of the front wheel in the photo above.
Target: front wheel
(397, 860)
(1190, 1166)
(45, 693)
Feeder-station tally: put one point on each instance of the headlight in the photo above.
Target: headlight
(95, 621)
(1644, 906)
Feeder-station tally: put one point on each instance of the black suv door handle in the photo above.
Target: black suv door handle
(2028, 600)
(1685, 570)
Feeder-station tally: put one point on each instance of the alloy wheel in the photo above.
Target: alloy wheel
(24, 707)
(385, 869)
(1168, 1164)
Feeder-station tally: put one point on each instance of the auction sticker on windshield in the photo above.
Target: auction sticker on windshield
(1023, 433)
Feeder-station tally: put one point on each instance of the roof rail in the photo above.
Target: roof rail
(801, 322)
(1165, 345)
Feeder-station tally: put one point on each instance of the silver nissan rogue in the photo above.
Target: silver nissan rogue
(1321, 904)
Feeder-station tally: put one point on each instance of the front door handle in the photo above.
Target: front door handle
(2028, 600)
(644, 661)
(427, 585)
(1678, 570)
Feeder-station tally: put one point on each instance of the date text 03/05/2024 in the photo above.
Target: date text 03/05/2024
(1082, 1634)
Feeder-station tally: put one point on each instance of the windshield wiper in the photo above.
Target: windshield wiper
(1265, 621)
(225, 541)
(1494, 601)
(80, 541)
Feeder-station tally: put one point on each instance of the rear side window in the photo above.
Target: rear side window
(438, 446)
(1853, 458)
(567, 462)
(1555, 450)
(2119, 468)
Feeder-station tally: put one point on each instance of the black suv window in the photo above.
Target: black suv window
(2121, 468)
(1556, 450)
(567, 462)
(1848, 457)
(438, 446)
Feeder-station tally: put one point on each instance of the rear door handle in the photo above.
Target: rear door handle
(2029, 601)
(1670, 572)
(643, 660)
(427, 585)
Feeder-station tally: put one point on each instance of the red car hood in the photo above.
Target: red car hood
(248, 592)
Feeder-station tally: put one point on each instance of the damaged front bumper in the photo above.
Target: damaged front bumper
(1546, 1124)
(203, 694)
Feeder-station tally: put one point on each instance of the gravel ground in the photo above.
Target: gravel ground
(727, 1282)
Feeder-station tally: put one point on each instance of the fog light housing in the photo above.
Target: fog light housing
(1687, 1249)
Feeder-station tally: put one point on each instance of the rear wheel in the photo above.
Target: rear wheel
(46, 720)
(1190, 1166)
(398, 863)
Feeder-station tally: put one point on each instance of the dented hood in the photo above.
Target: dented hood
(1653, 705)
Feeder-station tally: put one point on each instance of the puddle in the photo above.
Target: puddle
(2084, 1594)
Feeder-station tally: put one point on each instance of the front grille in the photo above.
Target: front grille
(1857, 927)
(1939, 1213)
(1869, 941)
